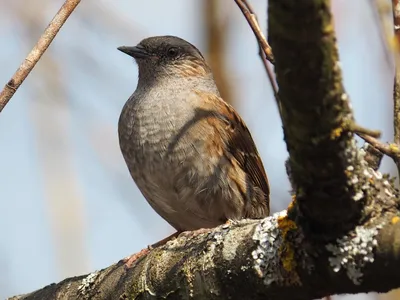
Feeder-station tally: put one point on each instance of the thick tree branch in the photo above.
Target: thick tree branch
(33, 57)
(273, 257)
(326, 165)
(396, 83)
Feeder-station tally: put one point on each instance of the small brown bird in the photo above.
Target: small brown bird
(189, 152)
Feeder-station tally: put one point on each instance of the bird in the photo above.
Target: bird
(189, 152)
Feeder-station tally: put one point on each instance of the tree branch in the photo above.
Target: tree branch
(396, 84)
(273, 256)
(325, 162)
(33, 57)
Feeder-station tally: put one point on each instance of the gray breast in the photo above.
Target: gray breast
(163, 156)
(150, 143)
(149, 127)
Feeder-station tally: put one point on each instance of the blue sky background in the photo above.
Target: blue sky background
(67, 203)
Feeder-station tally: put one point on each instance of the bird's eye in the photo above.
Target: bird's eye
(172, 52)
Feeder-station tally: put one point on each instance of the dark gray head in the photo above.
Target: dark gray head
(161, 56)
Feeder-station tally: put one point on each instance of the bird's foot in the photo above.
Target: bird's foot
(229, 222)
(196, 232)
(130, 260)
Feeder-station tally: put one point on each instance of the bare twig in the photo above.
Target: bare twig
(33, 57)
(391, 150)
(252, 20)
(270, 77)
(361, 130)
(265, 51)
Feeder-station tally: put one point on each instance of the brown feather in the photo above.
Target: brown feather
(238, 141)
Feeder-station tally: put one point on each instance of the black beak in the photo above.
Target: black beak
(135, 52)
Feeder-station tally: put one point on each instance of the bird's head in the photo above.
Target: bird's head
(162, 56)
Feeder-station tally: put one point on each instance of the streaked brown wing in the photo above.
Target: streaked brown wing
(239, 140)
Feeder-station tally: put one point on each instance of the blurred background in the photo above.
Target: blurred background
(68, 205)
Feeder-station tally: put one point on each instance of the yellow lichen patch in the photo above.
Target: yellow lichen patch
(285, 224)
(328, 28)
(393, 43)
(286, 250)
(292, 203)
(395, 220)
(394, 147)
(288, 259)
(336, 133)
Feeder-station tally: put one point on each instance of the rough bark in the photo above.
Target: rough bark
(263, 259)
(324, 160)
(339, 235)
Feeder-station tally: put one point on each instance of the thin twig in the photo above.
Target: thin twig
(353, 127)
(250, 9)
(269, 73)
(33, 57)
(379, 10)
(390, 150)
(251, 19)
(261, 51)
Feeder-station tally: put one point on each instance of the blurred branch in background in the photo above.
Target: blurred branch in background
(33, 57)
(216, 29)
(65, 204)
(107, 155)
(380, 9)
(122, 182)
(51, 121)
